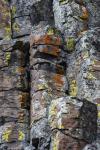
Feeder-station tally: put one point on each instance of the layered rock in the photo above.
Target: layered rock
(14, 96)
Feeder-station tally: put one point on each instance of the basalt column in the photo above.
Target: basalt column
(48, 82)
(81, 33)
(14, 96)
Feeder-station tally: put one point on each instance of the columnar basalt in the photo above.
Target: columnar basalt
(48, 81)
(49, 75)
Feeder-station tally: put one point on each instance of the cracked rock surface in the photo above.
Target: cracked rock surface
(49, 75)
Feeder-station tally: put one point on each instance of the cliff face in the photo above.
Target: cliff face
(49, 75)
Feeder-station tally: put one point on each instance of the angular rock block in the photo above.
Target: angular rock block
(49, 81)
(40, 134)
(21, 21)
(74, 118)
(50, 67)
(9, 81)
(14, 58)
(45, 39)
(46, 49)
(70, 17)
(87, 60)
(62, 141)
(14, 99)
(14, 115)
(39, 104)
(19, 26)
(12, 132)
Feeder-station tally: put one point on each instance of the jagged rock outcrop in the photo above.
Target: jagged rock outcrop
(49, 75)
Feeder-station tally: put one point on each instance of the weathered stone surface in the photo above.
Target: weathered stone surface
(70, 17)
(14, 99)
(46, 39)
(49, 81)
(49, 75)
(62, 141)
(5, 20)
(74, 117)
(10, 132)
(40, 134)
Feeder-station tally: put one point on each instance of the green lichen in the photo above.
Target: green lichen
(53, 31)
(13, 11)
(16, 27)
(70, 44)
(5, 136)
(8, 57)
(63, 1)
(21, 136)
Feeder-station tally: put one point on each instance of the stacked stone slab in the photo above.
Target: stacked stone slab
(47, 81)
(14, 96)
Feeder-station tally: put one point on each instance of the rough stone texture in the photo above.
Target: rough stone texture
(49, 75)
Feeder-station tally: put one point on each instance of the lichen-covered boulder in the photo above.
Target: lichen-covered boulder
(73, 118)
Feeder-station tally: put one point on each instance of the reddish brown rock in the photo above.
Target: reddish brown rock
(46, 40)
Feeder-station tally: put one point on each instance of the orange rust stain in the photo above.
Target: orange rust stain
(85, 14)
(58, 79)
(20, 70)
(21, 116)
(52, 50)
(46, 39)
(23, 99)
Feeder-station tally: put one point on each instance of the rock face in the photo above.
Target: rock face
(49, 75)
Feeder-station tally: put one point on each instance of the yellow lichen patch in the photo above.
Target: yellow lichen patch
(6, 135)
(85, 14)
(59, 124)
(70, 44)
(98, 105)
(7, 32)
(13, 9)
(50, 31)
(85, 55)
(90, 76)
(5, 20)
(42, 86)
(99, 114)
(8, 57)
(55, 142)
(21, 136)
(58, 79)
(73, 88)
(53, 110)
(16, 27)
(63, 1)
